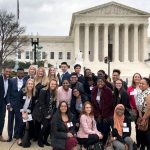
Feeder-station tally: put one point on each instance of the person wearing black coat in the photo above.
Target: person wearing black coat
(77, 102)
(4, 98)
(63, 132)
(47, 106)
(121, 96)
(121, 129)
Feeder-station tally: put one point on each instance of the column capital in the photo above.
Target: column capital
(106, 24)
(116, 24)
(96, 24)
(126, 24)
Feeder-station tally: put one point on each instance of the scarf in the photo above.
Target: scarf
(118, 120)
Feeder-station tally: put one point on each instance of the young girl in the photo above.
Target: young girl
(88, 133)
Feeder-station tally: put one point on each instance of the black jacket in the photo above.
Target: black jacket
(59, 131)
(125, 134)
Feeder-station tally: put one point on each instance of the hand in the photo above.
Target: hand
(25, 115)
(77, 124)
(100, 136)
(143, 122)
(9, 108)
(48, 117)
(69, 134)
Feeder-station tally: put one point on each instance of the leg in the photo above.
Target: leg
(148, 139)
(10, 123)
(2, 116)
(129, 142)
(118, 145)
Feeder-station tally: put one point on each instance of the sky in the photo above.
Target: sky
(53, 17)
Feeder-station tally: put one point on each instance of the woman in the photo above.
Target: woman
(62, 137)
(64, 93)
(47, 103)
(102, 101)
(77, 102)
(41, 82)
(121, 96)
(133, 91)
(52, 74)
(143, 105)
(88, 133)
(121, 130)
(27, 98)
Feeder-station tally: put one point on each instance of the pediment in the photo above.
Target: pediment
(111, 8)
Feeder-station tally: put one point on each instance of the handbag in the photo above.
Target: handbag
(140, 126)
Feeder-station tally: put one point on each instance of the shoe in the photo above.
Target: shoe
(142, 147)
(19, 142)
(2, 139)
(15, 137)
(9, 139)
(40, 144)
(47, 144)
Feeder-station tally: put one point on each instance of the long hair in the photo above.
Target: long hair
(50, 76)
(43, 80)
(116, 91)
(25, 89)
(67, 112)
(133, 83)
(83, 109)
(53, 92)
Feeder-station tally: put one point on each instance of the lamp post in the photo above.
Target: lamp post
(107, 61)
(35, 43)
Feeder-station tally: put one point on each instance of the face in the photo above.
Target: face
(100, 74)
(77, 70)
(76, 93)
(118, 84)
(40, 73)
(32, 71)
(7, 72)
(120, 111)
(66, 84)
(88, 73)
(143, 85)
(30, 85)
(115, 76)
(63, 108)
(137, 78)
(20, 74)
(64, 68)
(100, 83)
(52, 71)
(88, 108)
(53, 85)
(73, 79)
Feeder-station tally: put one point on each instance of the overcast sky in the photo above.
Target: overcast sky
(53, 17)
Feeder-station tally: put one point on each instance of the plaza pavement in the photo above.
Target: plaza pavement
(13, 145)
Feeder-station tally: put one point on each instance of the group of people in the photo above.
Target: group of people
(74, 109)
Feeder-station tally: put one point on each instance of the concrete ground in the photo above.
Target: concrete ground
(13, 145)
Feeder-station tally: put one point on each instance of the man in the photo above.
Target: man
(32, 73)
(4, 97)
(75, 83)
(17, 84)
(77, 69)
(65, 74)
(116, 75)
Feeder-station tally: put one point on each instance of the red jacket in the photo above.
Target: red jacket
(105, 108)
(131, 98)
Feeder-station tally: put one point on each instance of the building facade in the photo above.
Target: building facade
(112, 29)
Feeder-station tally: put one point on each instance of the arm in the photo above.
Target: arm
(55, 129)
(83, 123)
(147, 113)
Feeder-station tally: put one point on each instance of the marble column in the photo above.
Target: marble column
(86, 43)
(126, 30)
(145, 52)
(135, 52)
(96, 33)
(105, 48)
(116, 43)
(76, 40)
